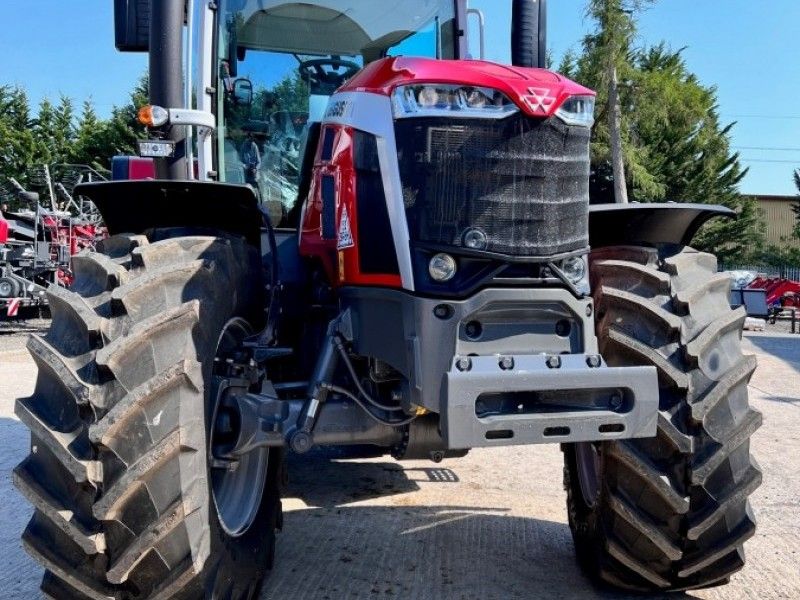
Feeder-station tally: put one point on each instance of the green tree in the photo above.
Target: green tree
(18, 148)
(689, 155)
(124, 127)
(674, 145)
(99, 140)
(607, 65)
(53, 131)
(90, 144)
(42, 126)
(55, 135)
(291, 94)
(613, 41)
(63, 131)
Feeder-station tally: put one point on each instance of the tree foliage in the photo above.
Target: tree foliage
(292, 93)
(56, 134)
(675, 146)
(19, 148)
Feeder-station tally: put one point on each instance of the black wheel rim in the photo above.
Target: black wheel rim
(238, 490)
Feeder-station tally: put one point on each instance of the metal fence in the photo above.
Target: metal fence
(784, 271)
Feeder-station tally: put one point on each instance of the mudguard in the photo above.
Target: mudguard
(650, 224)
(139, 206)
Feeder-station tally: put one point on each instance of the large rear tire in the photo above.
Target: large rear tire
(118, 472)
(670, 512)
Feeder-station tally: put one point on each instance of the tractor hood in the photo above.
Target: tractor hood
(537, 92)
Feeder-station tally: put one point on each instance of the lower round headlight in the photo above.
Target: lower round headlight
(574, 268)
(442, 267)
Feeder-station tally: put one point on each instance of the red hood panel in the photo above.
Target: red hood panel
(536, 91)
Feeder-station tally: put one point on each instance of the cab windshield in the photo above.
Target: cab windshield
(278, 64)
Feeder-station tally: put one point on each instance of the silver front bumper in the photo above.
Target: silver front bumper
(604, 403)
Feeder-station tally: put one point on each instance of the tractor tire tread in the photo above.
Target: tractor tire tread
(672, 512)
(119, 486)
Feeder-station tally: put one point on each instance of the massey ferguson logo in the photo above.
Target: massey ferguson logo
(338, 109)
(540, 101)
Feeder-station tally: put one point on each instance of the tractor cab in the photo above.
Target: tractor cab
(277, 67)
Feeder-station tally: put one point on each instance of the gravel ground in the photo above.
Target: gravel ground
(490, 525)
(784, 325)
(14, 334)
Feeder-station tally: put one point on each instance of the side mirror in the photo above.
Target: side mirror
(243, 92)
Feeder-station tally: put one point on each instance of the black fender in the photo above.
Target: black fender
(650, 224)
(138, 206)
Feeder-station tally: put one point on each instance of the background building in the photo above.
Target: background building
(779, 219)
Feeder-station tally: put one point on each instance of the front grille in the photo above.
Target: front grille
(523, 182)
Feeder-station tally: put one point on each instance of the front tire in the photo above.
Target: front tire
(120, 421)
(671, 512)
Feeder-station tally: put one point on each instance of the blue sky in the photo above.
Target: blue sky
(747, 48)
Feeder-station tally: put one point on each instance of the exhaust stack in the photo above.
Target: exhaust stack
(166, 76)
(529, 33)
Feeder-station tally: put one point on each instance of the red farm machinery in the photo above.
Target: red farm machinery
(38, 240)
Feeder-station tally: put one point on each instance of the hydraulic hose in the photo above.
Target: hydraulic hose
(344, 392)
(272, 316)
(359, 387)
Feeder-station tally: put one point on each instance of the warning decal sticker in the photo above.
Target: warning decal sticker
(13, 307)
(345, 234)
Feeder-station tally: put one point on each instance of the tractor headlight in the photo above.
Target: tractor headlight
(576, 270)
(578, 110)
(436, 100)
(475, 239)
(442, 267)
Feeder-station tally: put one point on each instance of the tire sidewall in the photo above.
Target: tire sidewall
(247, 557)
(585, 520)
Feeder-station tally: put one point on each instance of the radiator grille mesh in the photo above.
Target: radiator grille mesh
(523, 182)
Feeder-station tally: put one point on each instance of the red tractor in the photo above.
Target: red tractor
(359, 236)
